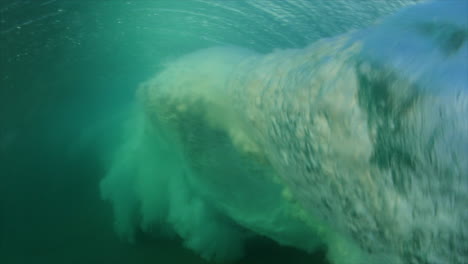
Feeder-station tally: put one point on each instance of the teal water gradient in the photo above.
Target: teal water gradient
(69, 69)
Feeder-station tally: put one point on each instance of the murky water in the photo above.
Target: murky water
(200, 131)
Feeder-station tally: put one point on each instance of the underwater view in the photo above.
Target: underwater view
(234, 131)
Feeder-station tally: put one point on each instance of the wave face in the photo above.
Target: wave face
(357, 142)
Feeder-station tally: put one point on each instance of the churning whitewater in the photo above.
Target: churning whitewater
(358, 143)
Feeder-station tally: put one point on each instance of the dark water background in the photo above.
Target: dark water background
(52, 213)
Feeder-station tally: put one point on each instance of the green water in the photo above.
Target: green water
(69, 67)
(69, 71)
(55, 215)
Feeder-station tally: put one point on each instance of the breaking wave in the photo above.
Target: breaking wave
(358, 143)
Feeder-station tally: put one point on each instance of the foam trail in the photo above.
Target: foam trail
(357, 142)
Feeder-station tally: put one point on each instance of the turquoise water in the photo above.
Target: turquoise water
(204, 131)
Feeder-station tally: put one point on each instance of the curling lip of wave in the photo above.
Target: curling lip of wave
(354, 141)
